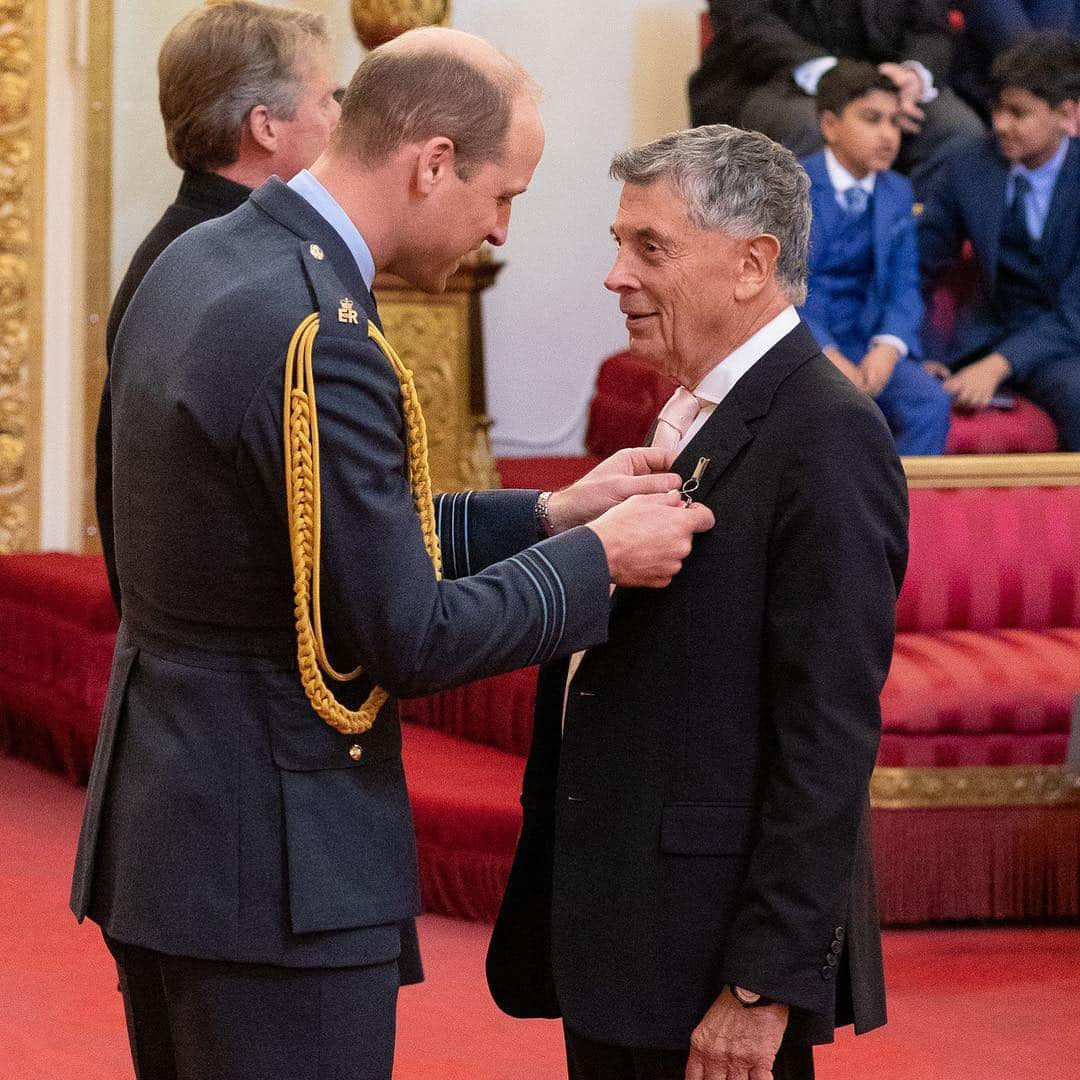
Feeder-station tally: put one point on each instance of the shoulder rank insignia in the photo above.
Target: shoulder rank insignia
(346, 313)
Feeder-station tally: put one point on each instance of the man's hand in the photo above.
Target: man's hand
(844, 365)
(911, 89)
(647, 537)
(877, 366)
(937, 369)
(639, 470)
(973, 386)
(735, 1043)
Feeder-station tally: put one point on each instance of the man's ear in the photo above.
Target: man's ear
(829, 122)
(263, 130)
(434, 163)
(1066, 116)
(757, 265)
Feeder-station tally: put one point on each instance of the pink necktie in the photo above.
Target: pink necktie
(675, 419)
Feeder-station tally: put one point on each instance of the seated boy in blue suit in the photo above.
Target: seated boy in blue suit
(864, 303)
(1015, 195)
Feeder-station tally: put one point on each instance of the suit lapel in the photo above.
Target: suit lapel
(985, 225)
(881, 212)
(1063, 216)
(730, 427)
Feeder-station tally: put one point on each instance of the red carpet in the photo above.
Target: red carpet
(964, 1004)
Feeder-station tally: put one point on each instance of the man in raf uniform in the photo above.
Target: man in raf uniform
(247, 847)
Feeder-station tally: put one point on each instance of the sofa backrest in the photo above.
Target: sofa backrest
(992, 558)
(628, 396)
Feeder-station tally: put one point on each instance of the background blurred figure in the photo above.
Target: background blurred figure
(864, 303)
(246, 93)
(1016, 196)
(762, 68)
(990, 27)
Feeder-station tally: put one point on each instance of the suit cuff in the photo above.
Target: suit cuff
(808, 75)
(929, 91)
(891, 339)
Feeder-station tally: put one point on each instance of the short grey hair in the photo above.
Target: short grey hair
(738, 182)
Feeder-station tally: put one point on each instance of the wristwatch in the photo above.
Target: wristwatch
(748, 999)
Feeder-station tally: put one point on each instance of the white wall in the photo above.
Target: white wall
(64, 261)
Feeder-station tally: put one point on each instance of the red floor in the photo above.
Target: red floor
(964, 1004)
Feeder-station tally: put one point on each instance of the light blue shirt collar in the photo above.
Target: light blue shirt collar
(304, 184)
(1042, 180)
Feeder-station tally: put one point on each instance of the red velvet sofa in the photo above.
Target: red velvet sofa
(629, 394)
(973, 818)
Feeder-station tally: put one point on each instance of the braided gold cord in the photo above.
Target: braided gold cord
(303, 501)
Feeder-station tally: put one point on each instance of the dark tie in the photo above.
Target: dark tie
(1016, 226)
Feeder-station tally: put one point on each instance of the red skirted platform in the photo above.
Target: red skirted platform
(986, 668)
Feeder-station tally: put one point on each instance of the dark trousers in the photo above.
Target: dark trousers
(588, 1060)
(214, 1020)
(782, 111)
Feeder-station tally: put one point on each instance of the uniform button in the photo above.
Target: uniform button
(839, 933)
(831, 960)
(826, 972)
(356, 751)
(316, 252)
(837, 948)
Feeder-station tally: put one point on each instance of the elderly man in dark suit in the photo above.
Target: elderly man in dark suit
(246, 92)
(762, 67)
(247, 846)
(693, 889)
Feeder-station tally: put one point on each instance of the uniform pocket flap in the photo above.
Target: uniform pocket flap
(706, 828)
(301, 741)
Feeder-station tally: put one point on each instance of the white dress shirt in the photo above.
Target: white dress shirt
(718, 383)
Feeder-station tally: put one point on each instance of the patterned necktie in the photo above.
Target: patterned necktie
(856, 200)
(1016, 225)
(675, 419)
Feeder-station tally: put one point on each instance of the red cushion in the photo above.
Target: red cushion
(986, 558)
(467, 810)
(73, 586)
(545, 473)
(973, 698)
(1025, 429)
(629, 394)
(497, 711)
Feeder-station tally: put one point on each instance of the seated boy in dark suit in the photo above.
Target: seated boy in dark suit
(1015, 195)
(864, 303)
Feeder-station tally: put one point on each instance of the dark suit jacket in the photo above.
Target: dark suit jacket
(225, 819)
(756, 40)
(703, 819)
(894, 301)
(202, 196)
(968, 203)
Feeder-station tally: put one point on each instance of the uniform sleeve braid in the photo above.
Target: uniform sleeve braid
(302, 490)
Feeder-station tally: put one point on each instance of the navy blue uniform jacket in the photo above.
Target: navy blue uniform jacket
(225, 819)
(968, 203)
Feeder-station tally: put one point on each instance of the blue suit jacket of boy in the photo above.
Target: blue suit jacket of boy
(894, 301)
(967, 202)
